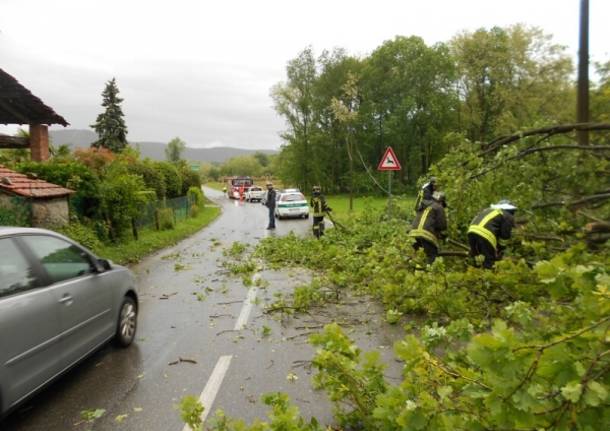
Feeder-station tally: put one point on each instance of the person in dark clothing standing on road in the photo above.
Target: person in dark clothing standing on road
(429, 226)
(489, 228)
(424, 197)
(318, 203)
(270, 203)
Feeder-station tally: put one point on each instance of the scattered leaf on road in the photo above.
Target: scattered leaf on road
(91, 415)
(291, 377)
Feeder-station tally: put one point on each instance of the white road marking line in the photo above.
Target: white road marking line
(222, 366)
(244, 314)
(212, 386)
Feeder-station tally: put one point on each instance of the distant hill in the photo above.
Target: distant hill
(81, 138)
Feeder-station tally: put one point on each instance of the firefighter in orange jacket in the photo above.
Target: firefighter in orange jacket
(489, 228)
(429, 226)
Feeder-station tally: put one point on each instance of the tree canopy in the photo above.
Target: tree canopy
(417, 98)
(174, 150)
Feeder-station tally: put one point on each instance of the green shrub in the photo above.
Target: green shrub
(153, 178)
(171, 178)
(82, 234)
(101, 229)
(166, 218)
(194, 211)
(190, 179)
(121, 200)
(195, 196)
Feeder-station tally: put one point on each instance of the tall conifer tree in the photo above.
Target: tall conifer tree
(110, 125)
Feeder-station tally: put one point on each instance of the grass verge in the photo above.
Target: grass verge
(216, 185)
(340, 204)
(152, 240)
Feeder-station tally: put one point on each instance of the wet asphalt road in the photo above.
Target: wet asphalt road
(138, 388)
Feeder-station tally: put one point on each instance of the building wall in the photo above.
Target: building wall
(49, 213)
(14, 210)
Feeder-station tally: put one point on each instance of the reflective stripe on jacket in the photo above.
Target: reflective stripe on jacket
(424, 197)
(429, 224)
(492, 224)
(319, 205)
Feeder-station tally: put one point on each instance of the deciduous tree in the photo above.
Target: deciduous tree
(174, 150)
(510, 78)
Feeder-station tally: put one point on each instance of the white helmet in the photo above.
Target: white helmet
(504, 204)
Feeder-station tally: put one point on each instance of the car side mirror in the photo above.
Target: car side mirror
(104, 265)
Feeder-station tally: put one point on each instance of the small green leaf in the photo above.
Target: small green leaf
(92, 415)
(580, 369)
(444, 391)
(572, 391)
(595, 394)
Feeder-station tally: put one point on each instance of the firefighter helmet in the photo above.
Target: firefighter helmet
(504, 204)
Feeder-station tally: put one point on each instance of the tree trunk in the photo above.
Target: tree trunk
(134, 229)
(351, 173)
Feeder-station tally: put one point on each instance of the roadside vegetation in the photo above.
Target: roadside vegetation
(124, 207)
(524, 346)
(151, 240)
(363, 204)
(216, 185)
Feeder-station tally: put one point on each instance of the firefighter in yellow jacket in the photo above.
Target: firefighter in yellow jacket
(424, 197)
(489, 228)
(318, 203)
(429, 226)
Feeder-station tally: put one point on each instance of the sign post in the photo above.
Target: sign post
(389, 162)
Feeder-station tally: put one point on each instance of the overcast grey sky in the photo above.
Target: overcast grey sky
(202, 70)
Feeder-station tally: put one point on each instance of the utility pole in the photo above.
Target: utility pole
(582, 101)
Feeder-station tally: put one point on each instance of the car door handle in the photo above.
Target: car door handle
(66, 299)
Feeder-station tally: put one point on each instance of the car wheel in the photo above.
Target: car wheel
(128, 321)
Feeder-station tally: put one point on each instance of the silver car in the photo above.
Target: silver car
(58, 304)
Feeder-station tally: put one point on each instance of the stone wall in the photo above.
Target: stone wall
(50, 213)
(14, 210)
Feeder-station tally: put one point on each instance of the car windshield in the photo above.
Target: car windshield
(241, 182)
(255, 189)
(289, 197)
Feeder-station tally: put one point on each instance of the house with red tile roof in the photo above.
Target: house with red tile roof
(29, 201)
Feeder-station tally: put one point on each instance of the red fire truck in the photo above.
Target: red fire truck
(237, 186)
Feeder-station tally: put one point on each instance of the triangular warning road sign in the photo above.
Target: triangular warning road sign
(389, 162)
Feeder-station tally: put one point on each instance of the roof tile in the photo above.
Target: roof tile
(19, 184)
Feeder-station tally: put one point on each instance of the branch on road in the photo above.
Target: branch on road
(226, 331)
(179, 360)
(229, 303)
